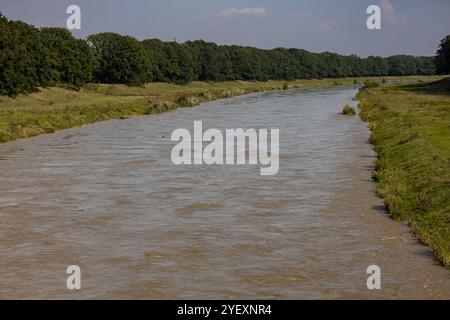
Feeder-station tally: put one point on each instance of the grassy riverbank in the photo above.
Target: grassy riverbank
(58, 108)
(411, 133)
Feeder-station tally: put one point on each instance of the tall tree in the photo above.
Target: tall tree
(70, 57)
(443, 56)
(119, 59)
(24, 59)
(173, 62)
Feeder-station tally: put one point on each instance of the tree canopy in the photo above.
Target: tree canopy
(173, 63)
(70, 58)
(443, 56)
(119, 59)
(24, 62)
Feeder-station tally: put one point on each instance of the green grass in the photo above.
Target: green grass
(411, 134)
(58, 108)
(348, 111)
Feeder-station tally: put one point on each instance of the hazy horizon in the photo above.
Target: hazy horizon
(408, 27)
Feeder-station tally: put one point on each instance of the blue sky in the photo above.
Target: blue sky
(408, 26)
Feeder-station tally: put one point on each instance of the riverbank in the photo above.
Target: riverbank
(57, 108)
(411, 133)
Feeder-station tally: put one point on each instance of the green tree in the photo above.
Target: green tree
(443, 56)
(173, 61)
(119, 59)
(24, 60)
(70, 57)
(402, 65)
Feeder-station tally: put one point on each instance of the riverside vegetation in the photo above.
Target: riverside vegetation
(411, 133)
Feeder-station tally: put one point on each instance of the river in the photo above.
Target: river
(106, 197)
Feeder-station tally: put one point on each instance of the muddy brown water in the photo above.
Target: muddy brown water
(107, 197)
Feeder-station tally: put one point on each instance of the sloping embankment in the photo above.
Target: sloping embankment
(411, 134)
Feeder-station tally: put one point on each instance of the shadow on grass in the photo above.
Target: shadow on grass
(437, 87)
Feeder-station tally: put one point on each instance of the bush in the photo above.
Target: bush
(348, 111)
(368, 84)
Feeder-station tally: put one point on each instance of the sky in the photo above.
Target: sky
(408, 26)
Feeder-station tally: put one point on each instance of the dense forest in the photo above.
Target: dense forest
(32, 57)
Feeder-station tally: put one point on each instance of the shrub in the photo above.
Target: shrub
(368, 84)
(348, 111)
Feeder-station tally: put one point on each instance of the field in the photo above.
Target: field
(56, 108)
(411, 133)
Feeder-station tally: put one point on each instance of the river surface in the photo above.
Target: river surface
(106, 197)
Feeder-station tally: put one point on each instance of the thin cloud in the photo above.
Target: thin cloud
(232, 12)
(390, 13)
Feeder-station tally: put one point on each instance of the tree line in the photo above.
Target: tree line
(32, 57)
